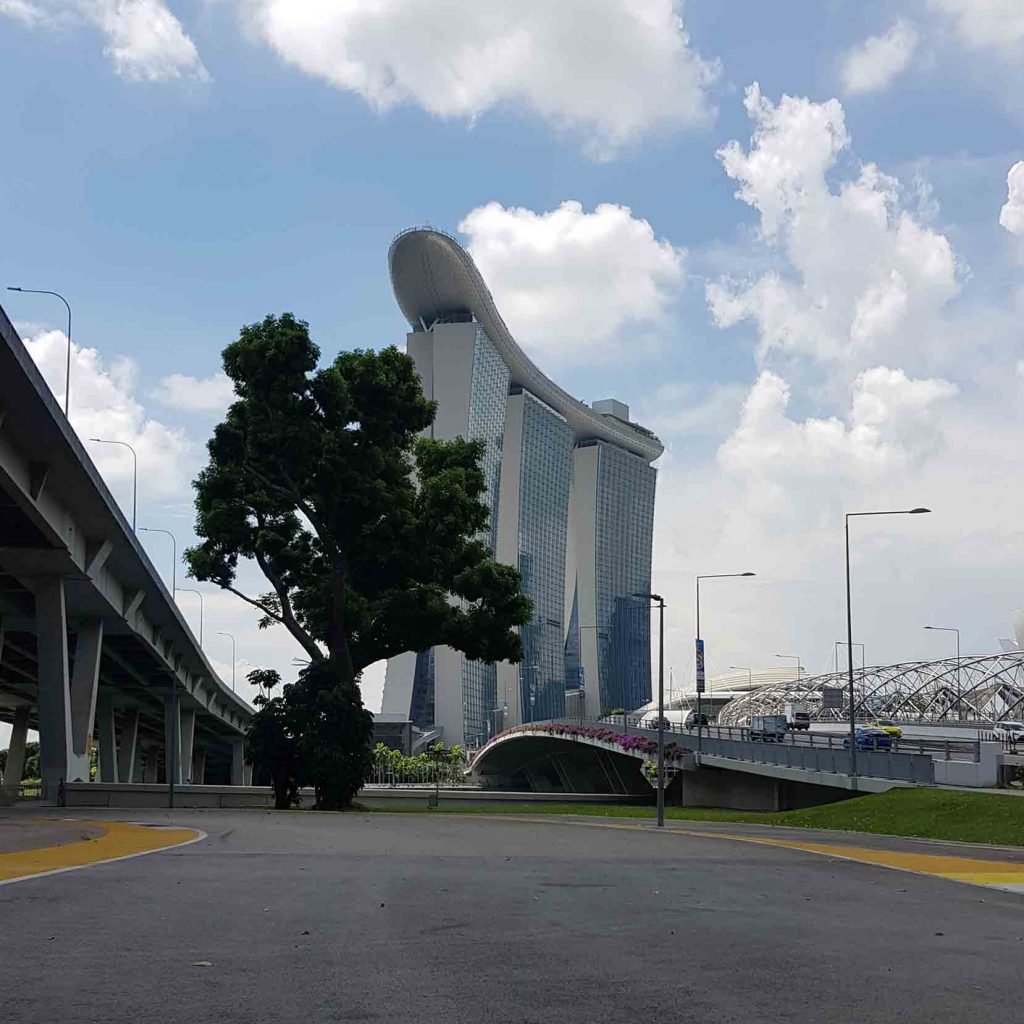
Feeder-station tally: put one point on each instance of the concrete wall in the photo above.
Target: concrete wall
(976, 774)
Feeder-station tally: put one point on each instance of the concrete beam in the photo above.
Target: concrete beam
(96, 554)
(55, 746)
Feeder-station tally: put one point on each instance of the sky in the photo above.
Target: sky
(789, 236)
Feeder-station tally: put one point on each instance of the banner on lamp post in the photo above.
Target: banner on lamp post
(700, 666)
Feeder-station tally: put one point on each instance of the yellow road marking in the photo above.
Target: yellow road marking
(972, 870)
(119, 841)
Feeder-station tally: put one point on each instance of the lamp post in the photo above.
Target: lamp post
(700, 647)
(959, 688)
(221, 632)
(67, 375)
(750, 674)
(661, 701)
(836, 644)
(135, 475)
(796, 658)
(199, 594)
(849, 624)
(174, 555)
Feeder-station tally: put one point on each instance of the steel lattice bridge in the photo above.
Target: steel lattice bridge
(980, 689)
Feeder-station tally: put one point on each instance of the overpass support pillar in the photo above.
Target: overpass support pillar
(84, 679)
(151, 765)
(16, 749)
(107, 738)
(127, 747)
(55, 745)
(198, 766)
(172, 737)
(238, 762)
(187, 732)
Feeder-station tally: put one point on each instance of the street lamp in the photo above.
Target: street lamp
(661, 701)
(959, 688)
(135, 476)
(700, 647)
(174, 555)
(849, 623)
(221, 632)
(836, 644)
(750, 674)
(199, 594)
(67, 375)
(796, 658)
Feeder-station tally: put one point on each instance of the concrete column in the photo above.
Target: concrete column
(84, 681)
(172, 736)
(16, 749)
(238, 762)
(198, 766)
(106, 735)
(151, 765)
(127, 747)
(55, 747)
(186, 734)
(246, 774)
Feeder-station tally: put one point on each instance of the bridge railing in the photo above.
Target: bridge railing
(820, 757)
(941, 749)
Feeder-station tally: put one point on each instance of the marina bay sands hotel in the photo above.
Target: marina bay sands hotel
(571, 494)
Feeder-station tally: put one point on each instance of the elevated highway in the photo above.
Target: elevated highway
(93, 649)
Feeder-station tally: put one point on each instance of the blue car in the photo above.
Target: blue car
(869, 738)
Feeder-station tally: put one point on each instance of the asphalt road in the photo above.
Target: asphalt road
(420, 918)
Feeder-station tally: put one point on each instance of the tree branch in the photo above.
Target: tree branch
(305, 640)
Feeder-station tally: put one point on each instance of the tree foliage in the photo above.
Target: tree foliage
(369, 535)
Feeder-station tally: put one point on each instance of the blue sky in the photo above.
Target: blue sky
(180, 168)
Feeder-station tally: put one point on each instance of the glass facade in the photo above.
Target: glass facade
(625, 525)
(487, 403)
(545, 477)
(422, 710)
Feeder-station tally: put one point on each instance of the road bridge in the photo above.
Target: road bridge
(93, 649)
(728, 770)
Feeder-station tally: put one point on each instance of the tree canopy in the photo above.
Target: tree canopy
(370, 535)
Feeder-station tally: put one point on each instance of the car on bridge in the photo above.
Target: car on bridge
(1010, 731)
(889, 726)
(870, 738)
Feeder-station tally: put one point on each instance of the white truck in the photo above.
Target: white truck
(768, 728)
(797, 715)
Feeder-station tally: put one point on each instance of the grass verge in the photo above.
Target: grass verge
(918, 813)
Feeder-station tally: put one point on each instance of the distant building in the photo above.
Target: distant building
(571, 493)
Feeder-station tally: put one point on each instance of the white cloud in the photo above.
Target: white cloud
(1011, 216)
(102, 405)
(986, 24)
(610, 70)
(22, 10)
(866, 274)
(195, 394)
(606, 267)
(885, 412)
(873, 64)
(145, 41)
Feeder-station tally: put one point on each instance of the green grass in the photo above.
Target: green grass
(920, 813)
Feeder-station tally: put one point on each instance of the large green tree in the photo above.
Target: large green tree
(369, 535)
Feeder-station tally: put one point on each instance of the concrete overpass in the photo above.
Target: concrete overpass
(596, 757)
(92, 647)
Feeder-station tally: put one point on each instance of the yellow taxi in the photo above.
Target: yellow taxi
(888, 726)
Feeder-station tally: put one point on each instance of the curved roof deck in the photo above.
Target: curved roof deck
(435, 279)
